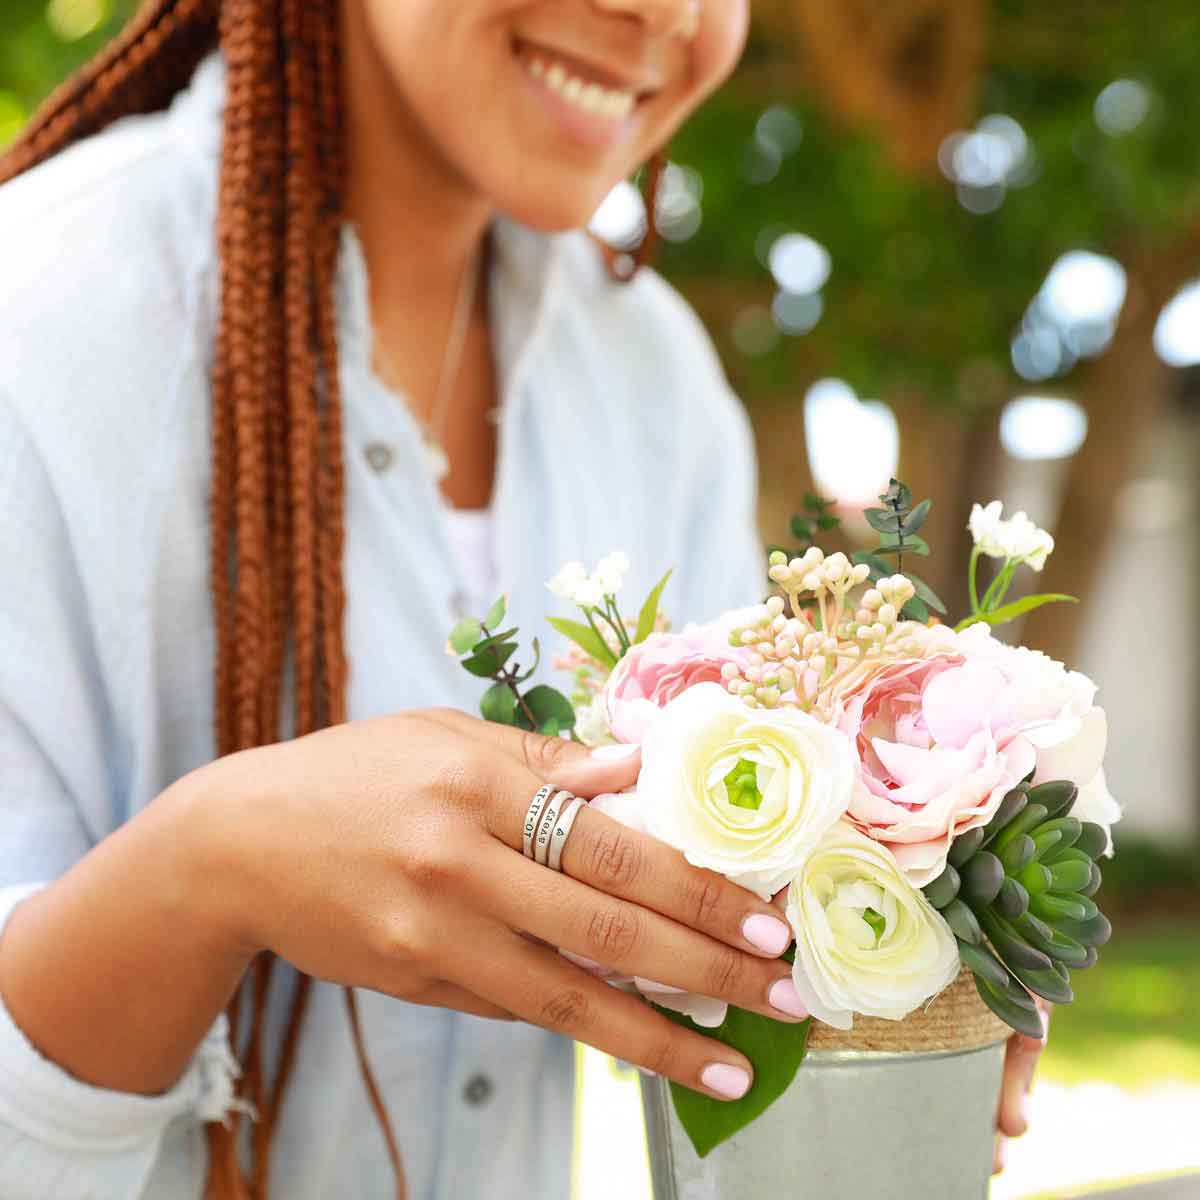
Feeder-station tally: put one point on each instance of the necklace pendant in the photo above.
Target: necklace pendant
(438, 460)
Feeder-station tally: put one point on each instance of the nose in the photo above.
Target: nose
(667, 18)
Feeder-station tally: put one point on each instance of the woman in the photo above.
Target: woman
(256, 324)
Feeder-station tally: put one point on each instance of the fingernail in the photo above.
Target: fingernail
(784, 998)
(616, 751)
(769, 934)
(728, 1081)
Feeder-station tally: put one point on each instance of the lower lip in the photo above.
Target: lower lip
(587, 128)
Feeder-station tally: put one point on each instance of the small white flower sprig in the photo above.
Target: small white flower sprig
(1015, 541)
(798, 655)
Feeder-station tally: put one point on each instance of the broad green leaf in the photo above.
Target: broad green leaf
(465, 634)
(649, 613)
(926, 593)
(495, 614)
(485, 663)
(827, 521)
(495, 639)
(775, 1049)
(549, 704)
(802, 527)
(586, 638)
(499, 704)
(916, 518)
(882, 519)
(1018, 608)
(915, 610)
(550, 728)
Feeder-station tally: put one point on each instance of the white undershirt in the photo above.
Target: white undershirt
(473, 545)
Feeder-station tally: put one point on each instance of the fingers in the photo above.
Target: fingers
(541, 987)
(999, 1149)
(449, 995)
(1020, 1062)
(612, 858)
(634, 941)
(543, 759)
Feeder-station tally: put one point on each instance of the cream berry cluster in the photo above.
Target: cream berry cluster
(799, 658)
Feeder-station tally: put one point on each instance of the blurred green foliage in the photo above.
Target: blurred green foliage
(924, 294)
(1134, 1021)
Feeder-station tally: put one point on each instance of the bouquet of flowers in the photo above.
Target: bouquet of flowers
(926, 798)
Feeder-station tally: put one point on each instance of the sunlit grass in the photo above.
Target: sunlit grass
(1135, 1021)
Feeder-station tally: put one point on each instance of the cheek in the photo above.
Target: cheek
(719, 42)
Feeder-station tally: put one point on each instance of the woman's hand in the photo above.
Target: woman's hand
(387, 854)
(1020, 1062)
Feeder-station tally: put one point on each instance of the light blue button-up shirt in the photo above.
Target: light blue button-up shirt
(616, 431)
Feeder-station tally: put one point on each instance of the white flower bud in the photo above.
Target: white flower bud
(872, 599)
(775, 606)
(779, 573)
(748, 637)
(730, 670)
(887, 614)
(813, 582)
(777, 558)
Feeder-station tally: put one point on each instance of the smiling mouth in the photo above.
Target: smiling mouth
(578, 84)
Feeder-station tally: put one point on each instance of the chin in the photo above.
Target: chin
(555, 208)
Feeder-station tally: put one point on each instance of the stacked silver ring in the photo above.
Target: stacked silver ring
(548, 823)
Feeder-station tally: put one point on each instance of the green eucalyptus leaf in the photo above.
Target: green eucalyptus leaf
(879, 566)
(775, 1050)
(1018, 608)
(828, 521)
(802, 527)
(897, 496)
(465, 634)
(649, 613)
(549, 704)
(487, 662)
(889, 543)
(916, 518)
(926, 594)
(537, 658)
(499, 704)
(495, 614)
(883, 519)
(586, 638)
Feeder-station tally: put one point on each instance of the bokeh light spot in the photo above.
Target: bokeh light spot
(1034, 428)
(71, 20)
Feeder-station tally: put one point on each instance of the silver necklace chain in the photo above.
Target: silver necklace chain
(433, 431)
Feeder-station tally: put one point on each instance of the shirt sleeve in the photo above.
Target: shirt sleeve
(59, 795)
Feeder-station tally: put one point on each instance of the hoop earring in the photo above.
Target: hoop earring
(623, 265)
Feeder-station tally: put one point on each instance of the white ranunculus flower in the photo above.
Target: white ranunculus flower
(1017, 537)
(867, 940)
(741, 791)
(591, 723)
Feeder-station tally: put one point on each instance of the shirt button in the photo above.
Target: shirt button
(478, 1090)
(379, 457)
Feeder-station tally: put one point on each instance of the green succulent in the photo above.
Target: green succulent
(1017, 894)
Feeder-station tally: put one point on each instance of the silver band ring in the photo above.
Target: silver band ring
(532, 818)
(549, 817)
(562, 830)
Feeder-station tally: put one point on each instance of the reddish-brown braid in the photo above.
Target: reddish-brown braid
(277, 524)
(276, 491)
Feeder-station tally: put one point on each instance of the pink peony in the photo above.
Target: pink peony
(654, 672)
(940, 739)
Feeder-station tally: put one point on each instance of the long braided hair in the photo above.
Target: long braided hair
(276, 503)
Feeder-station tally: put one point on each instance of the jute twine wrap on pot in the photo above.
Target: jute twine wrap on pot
(955, 1020)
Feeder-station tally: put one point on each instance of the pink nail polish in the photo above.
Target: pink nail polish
(728, 1081)
(769, 934)
(615, 752)
(784, 998)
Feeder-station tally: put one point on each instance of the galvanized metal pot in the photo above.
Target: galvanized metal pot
(860, 1122)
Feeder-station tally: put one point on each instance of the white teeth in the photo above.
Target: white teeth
(590, 98)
